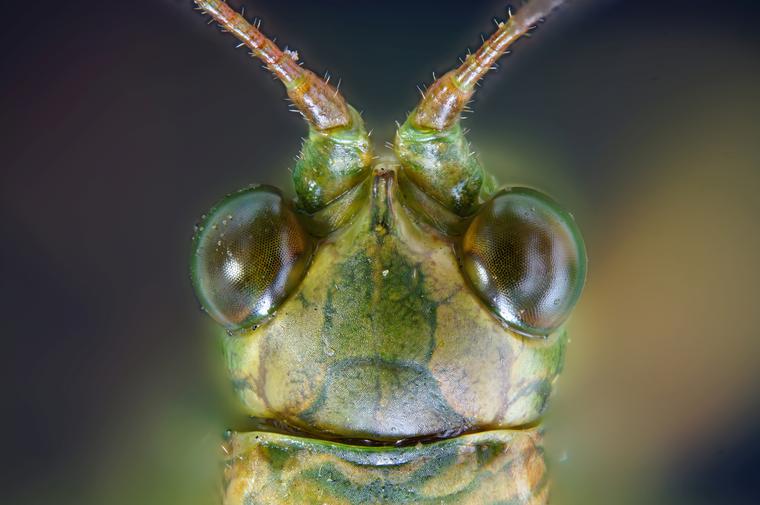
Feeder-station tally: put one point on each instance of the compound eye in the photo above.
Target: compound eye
(525, 257)
(249, 254)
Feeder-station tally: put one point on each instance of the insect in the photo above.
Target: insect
(394, 330)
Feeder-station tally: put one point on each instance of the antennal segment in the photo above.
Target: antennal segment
(448, 96)
(321, 104)
(431, 146)
(336, 156)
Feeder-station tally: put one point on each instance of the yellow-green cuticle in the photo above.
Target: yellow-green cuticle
(337, 213)
(384, 340)
(332, 162)
(490, 468)
(442, 164)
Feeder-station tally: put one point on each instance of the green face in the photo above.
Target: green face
(396, 329)
(389, 328)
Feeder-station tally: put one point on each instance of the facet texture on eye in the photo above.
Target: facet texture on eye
(525, 257)
(249, 254)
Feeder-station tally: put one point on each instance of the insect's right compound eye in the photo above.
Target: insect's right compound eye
(525, 257)
(248, 256)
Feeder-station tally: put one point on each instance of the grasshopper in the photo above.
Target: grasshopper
(396, 328)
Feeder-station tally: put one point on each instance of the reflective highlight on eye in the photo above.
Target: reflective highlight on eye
(525, 256)
(249, 254)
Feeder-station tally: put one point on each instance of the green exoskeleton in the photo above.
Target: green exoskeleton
(396, 329)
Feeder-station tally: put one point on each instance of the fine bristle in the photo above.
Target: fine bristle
(447, 97)
(321, 104)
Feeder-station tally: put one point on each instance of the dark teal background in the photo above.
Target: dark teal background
(121, 122)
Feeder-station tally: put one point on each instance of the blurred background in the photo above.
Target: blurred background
(123, 121)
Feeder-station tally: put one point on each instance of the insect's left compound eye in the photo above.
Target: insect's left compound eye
(249, 254)
(525, 257)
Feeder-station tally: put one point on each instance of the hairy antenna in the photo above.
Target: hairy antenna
(321, 104)
(443, 102)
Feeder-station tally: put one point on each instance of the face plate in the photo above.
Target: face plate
(385, 340)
